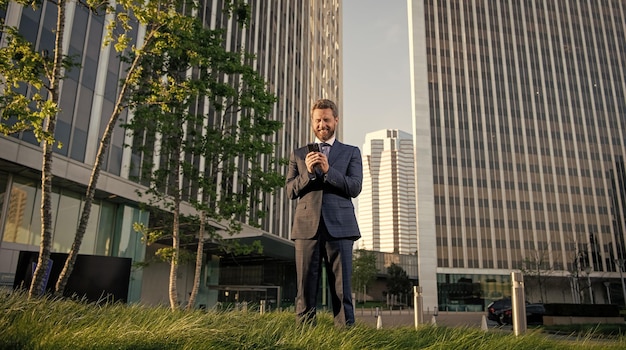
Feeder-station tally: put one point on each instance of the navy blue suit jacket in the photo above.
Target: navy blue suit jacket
(329, 196)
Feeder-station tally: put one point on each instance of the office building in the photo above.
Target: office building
(386, 207)
(518, 110)
(298, 51)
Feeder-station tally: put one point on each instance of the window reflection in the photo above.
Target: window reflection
(23, 219)
(67, 220)
(20, 213)
(89, 240)
(470, 292)
(106, 228)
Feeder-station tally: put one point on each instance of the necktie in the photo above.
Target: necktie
(325, 148)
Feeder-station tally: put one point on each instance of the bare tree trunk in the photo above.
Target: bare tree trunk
(199, 258)
(173, 289)
(37, 286)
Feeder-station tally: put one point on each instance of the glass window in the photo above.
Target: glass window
(3, 180)
(22, 200)
(79, 30)
(62, 135)
(79, 144)
(35, 223)
(23, 221)
(106, 229)
(89, 239)
(68, 99)
(115, 160)
(47, 37)
(129, 244)
(81, 124)
(29, 23)
(67, 221)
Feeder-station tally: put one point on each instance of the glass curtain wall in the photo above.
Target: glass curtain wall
(470, 292)
(109, 231)
(22, 224)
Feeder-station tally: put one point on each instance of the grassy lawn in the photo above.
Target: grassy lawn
(63, 324)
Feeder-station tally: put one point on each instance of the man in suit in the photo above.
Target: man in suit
(325, 227)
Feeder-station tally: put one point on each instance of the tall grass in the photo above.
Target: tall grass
(63, 324)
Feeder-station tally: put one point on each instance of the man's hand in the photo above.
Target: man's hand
(314, 159)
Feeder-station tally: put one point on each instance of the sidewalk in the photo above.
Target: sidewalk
(405, 318)
(402, 318)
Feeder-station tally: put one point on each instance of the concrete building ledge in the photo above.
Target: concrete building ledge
(558, 320)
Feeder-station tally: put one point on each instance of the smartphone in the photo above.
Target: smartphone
(313, 147)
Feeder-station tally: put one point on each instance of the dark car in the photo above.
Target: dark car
(534, 315)
(496, 308)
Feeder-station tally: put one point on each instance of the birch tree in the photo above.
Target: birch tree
(29, 102)
(189, 69)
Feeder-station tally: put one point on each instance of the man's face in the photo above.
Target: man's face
(324, 124)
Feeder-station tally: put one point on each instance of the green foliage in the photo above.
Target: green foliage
(29, 103)
(240, 9)
(600, 330)
(363, 269)
(24, 102)
(160, 231)
(398, 281)
(63, 324)
(177, 64)
(148, 236)
(183, 68)
(199, 122)
(31, 3)
(24, 105)
(166, 254)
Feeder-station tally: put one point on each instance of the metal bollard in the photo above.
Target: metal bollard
(417, 305)
(518, 303)
(379, 318)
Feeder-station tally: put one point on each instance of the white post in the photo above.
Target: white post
(417, 306)
(518, 303)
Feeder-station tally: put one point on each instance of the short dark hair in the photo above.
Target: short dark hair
(323, 103)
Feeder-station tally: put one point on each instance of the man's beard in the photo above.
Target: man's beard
(324, 136)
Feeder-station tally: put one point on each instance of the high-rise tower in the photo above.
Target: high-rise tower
(518, 110)
(386, 209)
(298, 50)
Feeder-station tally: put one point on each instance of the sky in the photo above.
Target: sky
(376, 85)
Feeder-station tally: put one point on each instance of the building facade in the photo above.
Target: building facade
(386, 209)
(297, 45)
(518, 110)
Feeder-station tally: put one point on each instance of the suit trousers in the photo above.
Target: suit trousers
(336, 254)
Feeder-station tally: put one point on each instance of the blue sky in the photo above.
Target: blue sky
(376, 85)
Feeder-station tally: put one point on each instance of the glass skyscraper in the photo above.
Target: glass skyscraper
(297, 45)
(386, 209)
(519, 109)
